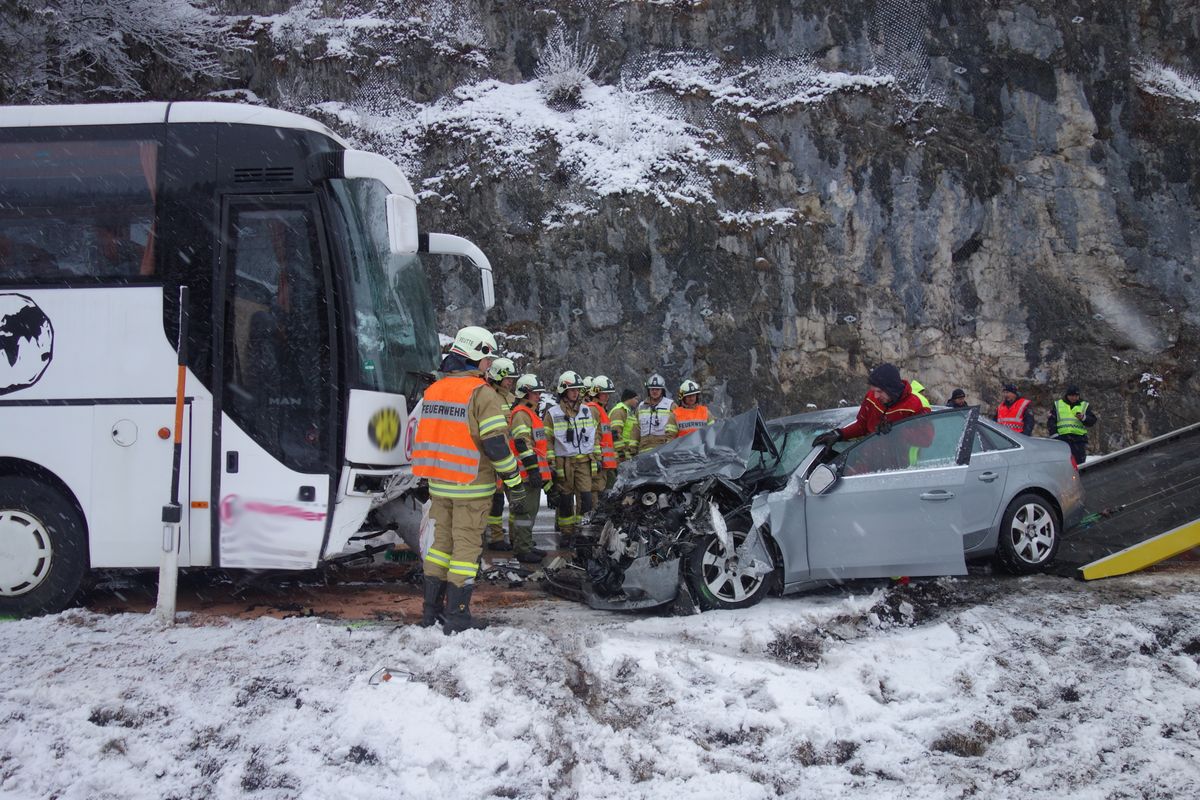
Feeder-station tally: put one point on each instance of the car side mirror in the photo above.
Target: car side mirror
(822, 479)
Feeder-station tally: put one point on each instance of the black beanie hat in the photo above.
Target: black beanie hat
(887, 377)
(628, 393)
(957, 393)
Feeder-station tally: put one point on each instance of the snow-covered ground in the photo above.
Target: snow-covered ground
(985, 687)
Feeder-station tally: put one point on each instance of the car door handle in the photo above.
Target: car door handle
(988, 477)
(937, 494)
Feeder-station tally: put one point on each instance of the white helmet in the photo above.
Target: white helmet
(568, 380)
(500, 369)
(588, 385)
(602, 384)
(474, 343)
(688, 387)
(656, 381)
(528, 383)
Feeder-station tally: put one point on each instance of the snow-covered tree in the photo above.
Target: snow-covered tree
(60, 50)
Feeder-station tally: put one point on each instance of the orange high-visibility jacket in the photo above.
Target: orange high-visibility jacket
(539, 441)
(608, 452)
(1013, 416)
(443, 449)
(691, 420)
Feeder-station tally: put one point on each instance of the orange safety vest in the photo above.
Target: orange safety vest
(608, 452)
(539, 442)
(691, 420)
(1013, 416)
(443, 449)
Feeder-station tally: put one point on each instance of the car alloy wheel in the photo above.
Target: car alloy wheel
(721, 580)
(1032, 532)
(1029, 535)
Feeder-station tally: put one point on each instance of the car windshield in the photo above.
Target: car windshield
(793, 438)
(393, 324)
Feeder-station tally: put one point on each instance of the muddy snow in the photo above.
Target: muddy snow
(981, 686)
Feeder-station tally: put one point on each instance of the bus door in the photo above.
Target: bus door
(274, 455)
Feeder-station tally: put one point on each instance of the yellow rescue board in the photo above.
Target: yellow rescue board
(1145, 554)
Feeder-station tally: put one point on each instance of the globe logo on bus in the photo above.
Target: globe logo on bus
(26, 342)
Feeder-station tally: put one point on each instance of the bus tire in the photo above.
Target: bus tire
(43, 548)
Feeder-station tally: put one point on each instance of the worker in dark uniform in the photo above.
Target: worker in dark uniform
(1069, 421)
(958, 399)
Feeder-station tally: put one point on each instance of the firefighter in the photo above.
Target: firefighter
(656, 417)
(889, 400)
(529, 445)
(461, 446)
(623, 418)
(602, 389)
(689, 414)
(501, 376)
(1069, 421)
(574, 451)
(1015, 413)
(958, 399)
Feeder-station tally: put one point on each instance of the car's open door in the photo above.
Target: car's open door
(896, 507)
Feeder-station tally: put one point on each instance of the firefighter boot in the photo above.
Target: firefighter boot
(458, 610)
(434, 609)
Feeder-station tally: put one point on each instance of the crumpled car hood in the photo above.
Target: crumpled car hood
(725, 448)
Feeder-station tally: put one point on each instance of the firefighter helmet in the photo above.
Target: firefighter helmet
(527, 384)
(587, 385)
(656, 381)
(474, 343)
(602, 384)
(568, 380)
(688, 387)
(500, 369)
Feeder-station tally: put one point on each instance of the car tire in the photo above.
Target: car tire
(715, 580)
(1030, 532)
(43, 548)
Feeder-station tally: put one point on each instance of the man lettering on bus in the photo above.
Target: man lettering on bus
(461, 446)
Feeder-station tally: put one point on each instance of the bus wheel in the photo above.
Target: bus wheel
(43, 548)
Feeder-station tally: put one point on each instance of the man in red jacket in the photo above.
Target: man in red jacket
(889, 399)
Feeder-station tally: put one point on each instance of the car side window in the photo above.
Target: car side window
(988, 441)
(930, 441)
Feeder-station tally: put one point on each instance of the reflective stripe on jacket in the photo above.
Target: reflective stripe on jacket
(443, 449)
(654, 420)
(1068, 423)
(608, 453)
(574, 435)
(1013, 416)
(536, 434)
(692, 419)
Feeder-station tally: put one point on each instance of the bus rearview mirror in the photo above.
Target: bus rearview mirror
(402, 224)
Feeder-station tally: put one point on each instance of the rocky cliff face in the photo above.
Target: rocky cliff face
(772, 197)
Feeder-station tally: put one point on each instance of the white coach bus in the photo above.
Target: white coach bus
(310, 336)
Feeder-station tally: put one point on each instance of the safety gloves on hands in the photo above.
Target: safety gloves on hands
(827, 438)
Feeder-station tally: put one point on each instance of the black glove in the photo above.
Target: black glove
(420, 492)
(885, 426)
(827, 438)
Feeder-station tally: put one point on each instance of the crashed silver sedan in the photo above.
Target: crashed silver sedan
(725, 516)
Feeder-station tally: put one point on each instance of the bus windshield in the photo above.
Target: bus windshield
(393, 322)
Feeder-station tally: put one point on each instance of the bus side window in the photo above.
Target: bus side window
(77, 209)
